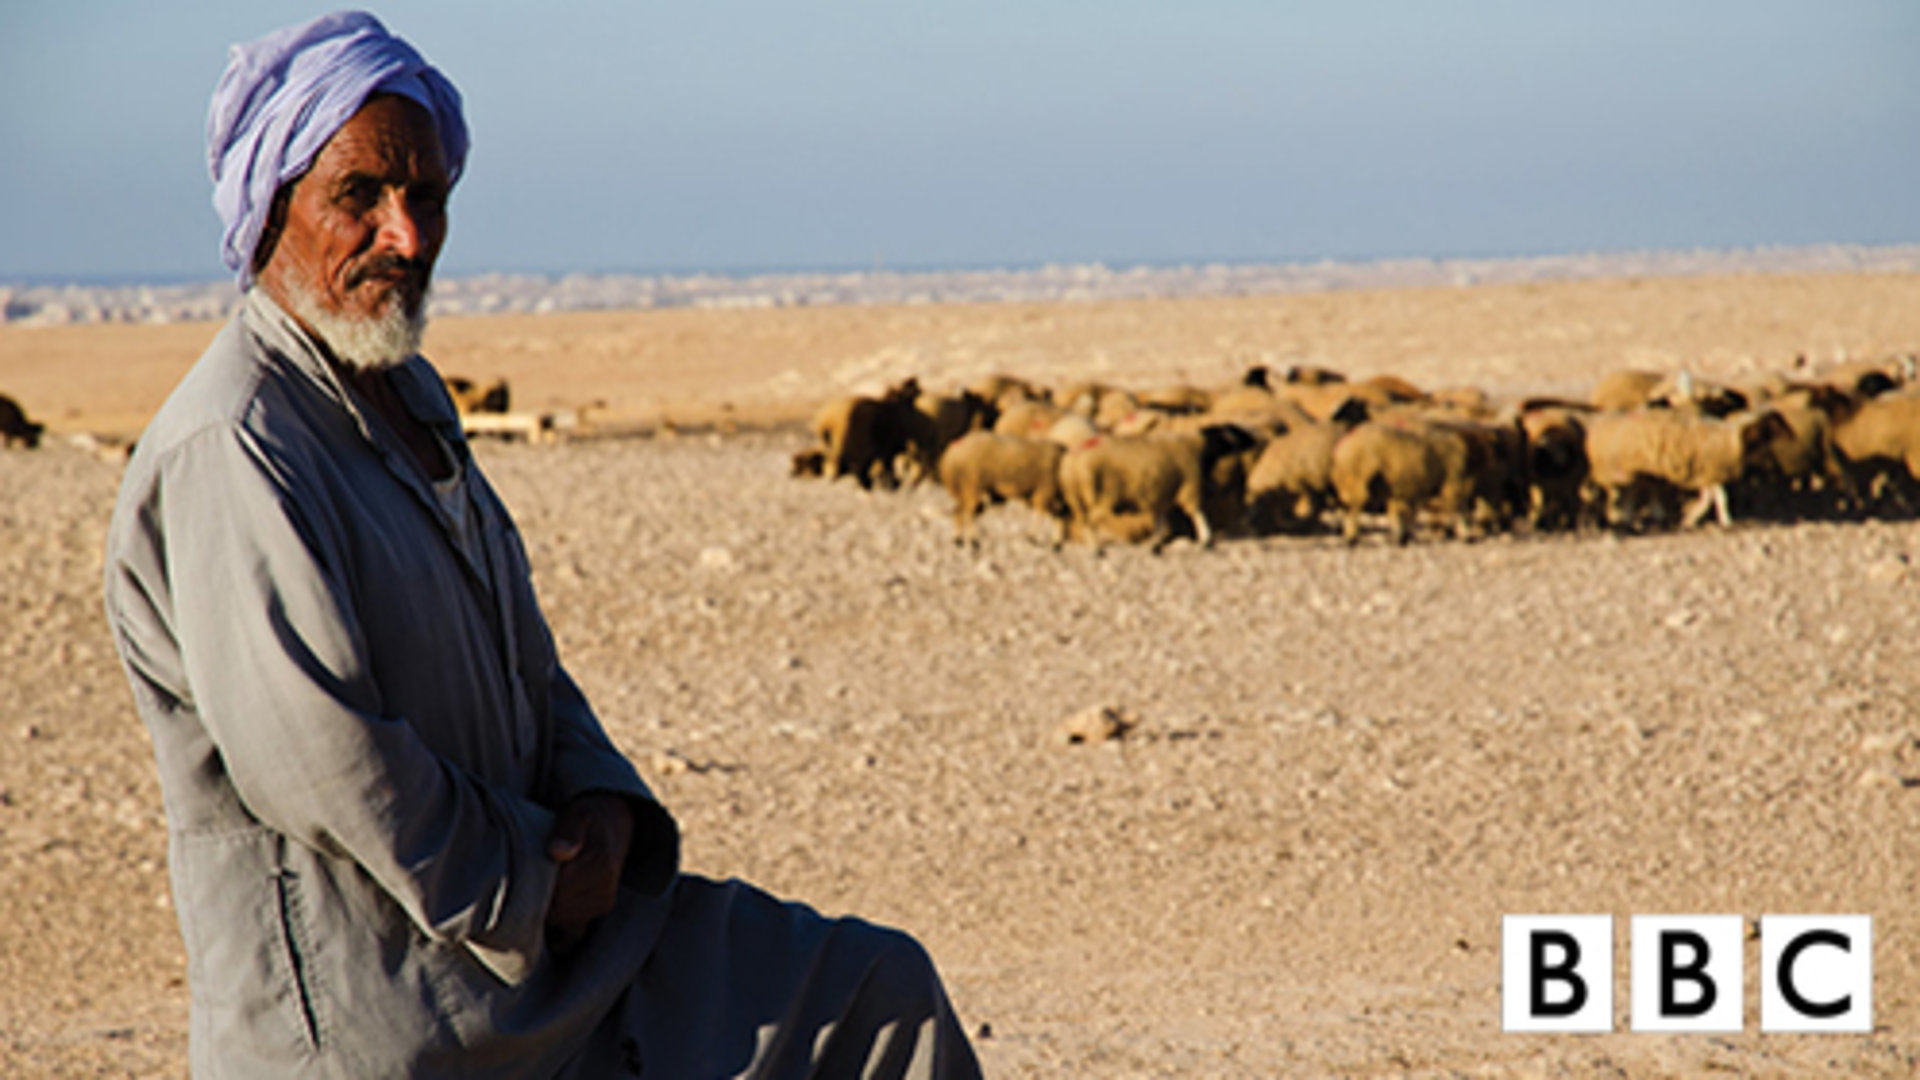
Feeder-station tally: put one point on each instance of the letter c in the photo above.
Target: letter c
(1791, 993)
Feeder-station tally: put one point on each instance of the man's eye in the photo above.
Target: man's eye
(358, 194)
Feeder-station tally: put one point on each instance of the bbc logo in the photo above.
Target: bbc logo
(1816, 973)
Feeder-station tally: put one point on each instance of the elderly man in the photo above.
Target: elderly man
(400, 843)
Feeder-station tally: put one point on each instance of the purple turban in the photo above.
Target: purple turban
(282, 97)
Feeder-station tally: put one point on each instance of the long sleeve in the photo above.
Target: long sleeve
(584, 760)
(274, 651)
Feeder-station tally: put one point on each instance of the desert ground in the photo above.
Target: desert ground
(1343, 765)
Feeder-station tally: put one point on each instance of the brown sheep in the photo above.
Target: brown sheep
(1028, 419)
(1878, 441)
(469, 397)
(1005, 390)
(1556, 466)
(1804, 462)
(861, 436)
(1390, 388)
(1871, 378)
(1179, 400)
(1291, 481)
(1398, 469)
(809, 462)
(953, 415)
(982, 466)
(1493, 468)
(15, 427)
(1310, 375)
(1154, 475)
(1664, 448)
(1618, 391)
(1467, 402)
(1322, 400)
(1699, 396)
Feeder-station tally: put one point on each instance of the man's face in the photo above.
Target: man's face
(364, 224)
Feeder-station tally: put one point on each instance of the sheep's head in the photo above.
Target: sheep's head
(1758, 435)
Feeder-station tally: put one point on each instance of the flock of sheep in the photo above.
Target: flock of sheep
(1281, 453)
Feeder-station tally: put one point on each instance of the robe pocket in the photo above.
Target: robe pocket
(297, 941)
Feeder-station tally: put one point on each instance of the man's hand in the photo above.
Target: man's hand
(589, 841)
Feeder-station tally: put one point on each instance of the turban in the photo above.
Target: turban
(282, 97)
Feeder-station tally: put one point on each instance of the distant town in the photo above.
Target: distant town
(486, 294)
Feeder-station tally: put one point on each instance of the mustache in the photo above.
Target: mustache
(412, 273)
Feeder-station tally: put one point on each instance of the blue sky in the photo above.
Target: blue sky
(737, 135)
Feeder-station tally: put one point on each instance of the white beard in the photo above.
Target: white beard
(383, 341)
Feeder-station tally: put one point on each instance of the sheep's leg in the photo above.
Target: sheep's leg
(1202, 531)
(1163, 532)
(1350, 525)
(1713, 497)
(966, 511)
(1399, 521)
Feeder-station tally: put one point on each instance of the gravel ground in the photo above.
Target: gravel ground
(1340, 767)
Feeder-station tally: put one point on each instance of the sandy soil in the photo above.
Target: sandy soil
(1345, 766)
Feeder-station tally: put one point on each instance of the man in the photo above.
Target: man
(400, 843)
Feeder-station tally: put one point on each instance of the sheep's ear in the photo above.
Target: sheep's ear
(1351, 411)
(1765, 428)
(1874, 383)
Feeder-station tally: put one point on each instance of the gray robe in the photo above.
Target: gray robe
(363, 736)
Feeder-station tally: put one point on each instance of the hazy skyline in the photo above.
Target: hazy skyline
(732, 136)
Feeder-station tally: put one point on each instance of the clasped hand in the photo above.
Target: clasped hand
(589, 840)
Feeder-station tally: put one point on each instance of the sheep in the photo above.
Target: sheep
(1310, 375)
(1028, 418)
(1244, 400)
(1291, 481)
(1322, 400)
(982, 466)
(1087, 398)
(1072, 430)
(953, 415)
(1389, 388)
(1467, 402)
(1682, 391)
(861, 436)
(1398, 469)
(15, 427)
(1618, 391)
(1629, 451)
(1871, 378)
(1804, 457)
(1005, 390)
(1178, 400)
(811, 461)
(1492, 467)
(1153, 475)
(470, 397)
(1878, 441)
(1556, 466)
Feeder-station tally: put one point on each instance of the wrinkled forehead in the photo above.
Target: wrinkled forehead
(390, 136)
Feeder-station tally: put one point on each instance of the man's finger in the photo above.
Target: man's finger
(568, 838)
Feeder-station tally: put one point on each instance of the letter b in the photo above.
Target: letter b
(1687, 972)
(1556, 973)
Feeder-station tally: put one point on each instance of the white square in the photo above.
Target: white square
(1687, 973)
(1573, 989)
(1816, 973)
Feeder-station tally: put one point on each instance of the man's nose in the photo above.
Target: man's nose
(398, 232)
